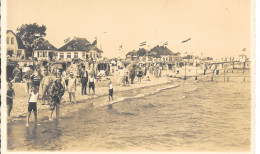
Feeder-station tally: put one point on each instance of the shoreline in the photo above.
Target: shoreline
(20, 111)
(21, 100)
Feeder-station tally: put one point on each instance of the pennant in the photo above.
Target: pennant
(142, 43)
(95, 42)
(186, 40)
(244, 49)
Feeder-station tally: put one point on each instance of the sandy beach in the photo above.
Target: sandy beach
(21, 99)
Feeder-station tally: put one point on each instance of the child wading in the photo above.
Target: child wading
(92, 83)
(127, 79)
(110, 91)
(139, 75)
(10, 96)
(32, 106)
(72, 87)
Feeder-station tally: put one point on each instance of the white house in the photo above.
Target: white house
(15, 47)
(79, 48)
(44, 51)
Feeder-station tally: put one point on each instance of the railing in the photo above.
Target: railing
(224, 74)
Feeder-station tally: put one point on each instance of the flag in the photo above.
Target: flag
(186, 40)
(67, 40)
(121, 46)
(95, 42)
(143, 43)
(244, 49)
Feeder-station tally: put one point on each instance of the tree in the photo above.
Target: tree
(31, 35)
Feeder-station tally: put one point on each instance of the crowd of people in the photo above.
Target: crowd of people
(47, 82)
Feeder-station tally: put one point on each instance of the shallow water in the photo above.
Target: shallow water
(202, 116)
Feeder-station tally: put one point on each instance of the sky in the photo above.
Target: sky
(217, 28)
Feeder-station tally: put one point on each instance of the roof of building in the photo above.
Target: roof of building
(158, 51)
(45, 45)
(131, 53)
(19, 40)
(155, 52)
(79, 44)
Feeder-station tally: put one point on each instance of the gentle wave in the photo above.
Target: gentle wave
(137, 96)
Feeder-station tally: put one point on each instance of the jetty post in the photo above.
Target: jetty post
(212, 75)
(224, 75)
(185, 69)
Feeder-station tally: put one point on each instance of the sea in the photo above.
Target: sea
(184, 115)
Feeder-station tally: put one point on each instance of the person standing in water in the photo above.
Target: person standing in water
(56, 92)
(139, 75)
(92, 83)
(127, 79)
(32, 106)
(10, 96)
(110, 91)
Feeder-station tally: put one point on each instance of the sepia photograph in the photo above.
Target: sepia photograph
(128, 76)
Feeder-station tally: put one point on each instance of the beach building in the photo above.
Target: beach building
(132, 56)
(45, 51)
(15, 46)
(79, 48)
(161, 54)
(158, 54)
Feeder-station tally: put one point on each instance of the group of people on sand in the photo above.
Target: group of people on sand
(52, 87)
(53, 90)
(127, 76)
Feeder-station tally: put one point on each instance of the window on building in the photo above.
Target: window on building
(12, 40)
(10, 52)
(83, 55)
(19, 53)
(68, 55)
(61, 55)
(7, 40)
(76, 55)
(41, 54)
